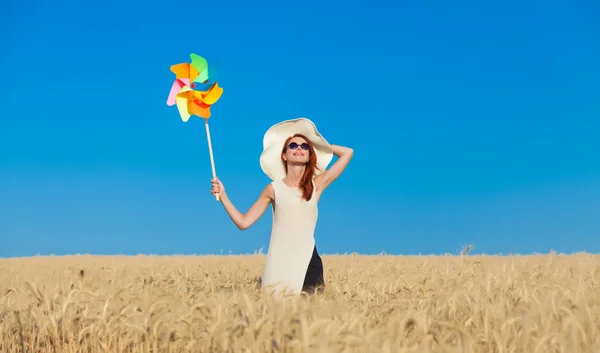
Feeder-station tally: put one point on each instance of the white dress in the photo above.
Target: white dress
(292, 240)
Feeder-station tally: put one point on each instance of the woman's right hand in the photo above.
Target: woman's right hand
(217, 188)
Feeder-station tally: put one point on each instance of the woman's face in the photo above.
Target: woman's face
(297, 151)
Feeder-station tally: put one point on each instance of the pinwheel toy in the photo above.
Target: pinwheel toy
(188, 77)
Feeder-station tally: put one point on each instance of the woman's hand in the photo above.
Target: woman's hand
(217, 188)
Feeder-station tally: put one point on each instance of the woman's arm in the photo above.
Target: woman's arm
(344, 155)
(244, 221)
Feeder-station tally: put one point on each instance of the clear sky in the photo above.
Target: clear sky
(473, 122)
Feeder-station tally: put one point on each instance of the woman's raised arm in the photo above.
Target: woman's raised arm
(344, 155)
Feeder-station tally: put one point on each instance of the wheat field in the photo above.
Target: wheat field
(542, 303)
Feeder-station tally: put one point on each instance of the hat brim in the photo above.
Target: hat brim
(270, 159)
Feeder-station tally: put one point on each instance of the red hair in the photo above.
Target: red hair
(306, 184)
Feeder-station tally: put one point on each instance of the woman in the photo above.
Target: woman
(295, 157)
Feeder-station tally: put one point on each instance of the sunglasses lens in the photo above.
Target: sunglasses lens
(294, 146)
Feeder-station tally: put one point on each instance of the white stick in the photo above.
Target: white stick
(212, 159)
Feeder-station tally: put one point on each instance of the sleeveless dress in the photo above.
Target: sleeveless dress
(292, 244)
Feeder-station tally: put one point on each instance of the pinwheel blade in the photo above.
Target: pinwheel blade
(182, 99)
(201, 65)
(184, 70)
(198, 108)
(213, 94)
(178, 84)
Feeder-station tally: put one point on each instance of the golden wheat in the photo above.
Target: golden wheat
(532, 304)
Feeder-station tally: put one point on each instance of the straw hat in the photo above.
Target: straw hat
(270, 159)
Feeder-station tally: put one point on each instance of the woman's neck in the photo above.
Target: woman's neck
(294, 174)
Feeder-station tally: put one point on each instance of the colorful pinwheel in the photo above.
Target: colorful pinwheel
(189, 76)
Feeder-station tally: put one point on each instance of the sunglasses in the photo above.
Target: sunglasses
(294, 146)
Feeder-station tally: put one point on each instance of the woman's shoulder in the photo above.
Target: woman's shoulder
(269, 190)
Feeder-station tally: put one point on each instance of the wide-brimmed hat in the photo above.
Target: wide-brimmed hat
(270, 159)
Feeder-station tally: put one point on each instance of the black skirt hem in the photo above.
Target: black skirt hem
(314, 281)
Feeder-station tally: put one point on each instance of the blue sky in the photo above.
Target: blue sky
(472, 123)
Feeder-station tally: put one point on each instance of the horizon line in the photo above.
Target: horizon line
(259, 253)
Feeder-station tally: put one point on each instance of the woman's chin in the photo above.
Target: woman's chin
(297, 162)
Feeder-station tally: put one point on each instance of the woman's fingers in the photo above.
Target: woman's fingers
(216, 186)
